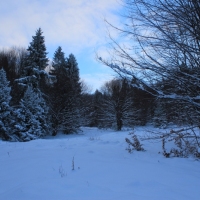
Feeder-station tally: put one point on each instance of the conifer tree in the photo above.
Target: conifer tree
(59, 89)
(96, 106)
(32, 113)
(73, 73)
(37, 57)
(7, 113)
(65, 95)
(15, 123)
(72, 111)
(36, 61)
(35, 113)
(5, 110)
(29, 120)
(5, 89)
(58, 60)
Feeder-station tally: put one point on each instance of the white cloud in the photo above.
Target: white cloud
(74, 24)
(95, 81)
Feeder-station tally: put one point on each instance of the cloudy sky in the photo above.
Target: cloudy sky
(76, 25)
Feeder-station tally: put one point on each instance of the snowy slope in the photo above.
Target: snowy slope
(42, 169)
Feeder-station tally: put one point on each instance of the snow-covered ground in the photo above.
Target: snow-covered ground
(103, 169)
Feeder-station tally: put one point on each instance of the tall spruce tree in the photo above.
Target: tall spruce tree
(58, 60)
(5, 110)
(73, 73)
(7, 116)
(35, 62)
(32, 104)
(59, 89)
(72, 113)
(37, 57)
(65, 92)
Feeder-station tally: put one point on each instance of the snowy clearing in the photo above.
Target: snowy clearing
(103, 169)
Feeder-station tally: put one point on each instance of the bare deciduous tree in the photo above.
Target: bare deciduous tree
(163, 40)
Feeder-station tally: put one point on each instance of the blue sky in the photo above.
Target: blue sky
(76, 25)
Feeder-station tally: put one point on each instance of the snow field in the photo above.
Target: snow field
(42, 169)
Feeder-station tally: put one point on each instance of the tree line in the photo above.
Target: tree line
(35, 102)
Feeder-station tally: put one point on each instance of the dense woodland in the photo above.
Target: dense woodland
(157, 85)
(36, 102)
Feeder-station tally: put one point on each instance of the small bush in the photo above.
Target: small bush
(185, 144)
(133, 143)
